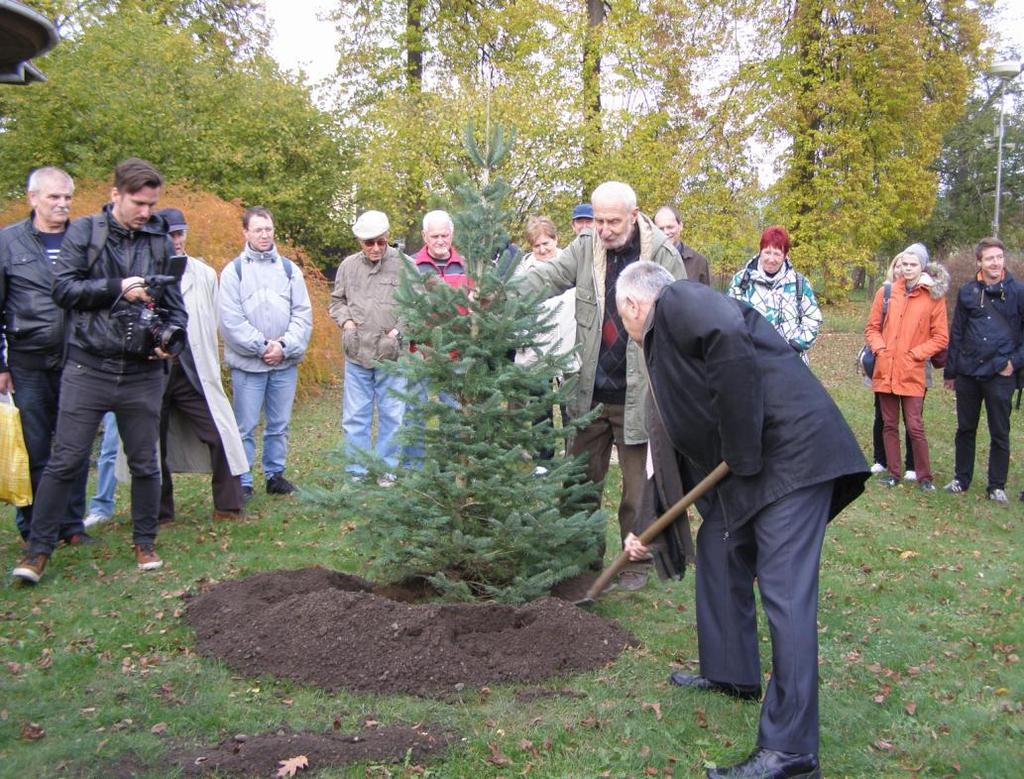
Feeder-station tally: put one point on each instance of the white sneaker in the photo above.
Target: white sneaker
(877, 468)
(998, 495)
(95, 518)
(910, 476)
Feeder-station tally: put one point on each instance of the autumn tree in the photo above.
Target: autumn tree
(237, 127)
(967, 173)
(865, 92)
(595, 90)
(240, 25)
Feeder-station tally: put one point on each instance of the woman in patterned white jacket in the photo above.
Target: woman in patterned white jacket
(778, 292)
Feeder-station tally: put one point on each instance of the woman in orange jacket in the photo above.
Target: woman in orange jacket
(914, 330)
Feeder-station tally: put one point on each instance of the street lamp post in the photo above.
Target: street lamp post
(1005, 71)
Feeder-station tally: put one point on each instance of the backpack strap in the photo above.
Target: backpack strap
(100, 232)
(284, 261)
(799, 297)
(97, 239)
(745, 281)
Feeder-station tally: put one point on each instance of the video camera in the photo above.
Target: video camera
(142, 324)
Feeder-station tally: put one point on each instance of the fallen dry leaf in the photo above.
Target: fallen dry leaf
(291, 765)
(701, 718)
(497, 757)
(32, 731)
(883, 746)
(910, 708)
(655, 707)
(158, 728)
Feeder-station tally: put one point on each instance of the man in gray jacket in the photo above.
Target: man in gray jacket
(363, 304)
(611, 366)
(266, 322)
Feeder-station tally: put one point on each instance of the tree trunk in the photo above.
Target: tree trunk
(414, 46)
(592, 94)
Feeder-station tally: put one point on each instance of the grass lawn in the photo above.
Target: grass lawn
(920, 628)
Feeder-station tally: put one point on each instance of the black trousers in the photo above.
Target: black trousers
(182, 396)
(781, 547)
(996, 393)
(86, 395)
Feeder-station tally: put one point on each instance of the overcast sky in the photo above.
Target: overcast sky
(301, 40)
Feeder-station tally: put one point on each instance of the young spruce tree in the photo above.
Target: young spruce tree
(474, 517)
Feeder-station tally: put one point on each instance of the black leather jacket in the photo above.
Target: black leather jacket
(33, 324)
(91, 291)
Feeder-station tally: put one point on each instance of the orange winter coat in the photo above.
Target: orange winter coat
(915, 329)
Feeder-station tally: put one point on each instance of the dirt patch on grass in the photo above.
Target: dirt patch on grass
(330, 629)
(262, 755)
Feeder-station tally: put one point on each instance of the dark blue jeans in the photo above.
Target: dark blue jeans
(86, 395)
(37, 396)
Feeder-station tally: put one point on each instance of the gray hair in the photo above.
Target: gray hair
(642, 281)
(617, 192)
(49, 173)
(437, 216)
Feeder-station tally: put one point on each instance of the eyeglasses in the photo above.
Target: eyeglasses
(382, 241)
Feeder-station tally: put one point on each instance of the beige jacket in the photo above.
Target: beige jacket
(364, 292)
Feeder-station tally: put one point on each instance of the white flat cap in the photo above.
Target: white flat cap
(371, 224)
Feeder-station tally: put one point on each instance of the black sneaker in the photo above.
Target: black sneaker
(279, 485)
(246, 493)
(888, 480)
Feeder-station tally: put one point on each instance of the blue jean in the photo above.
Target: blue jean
(37, 396)
(102, 502)
(364, 388)
(414, 450)
(272, 393)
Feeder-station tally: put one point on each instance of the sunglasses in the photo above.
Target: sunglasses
(374, 242)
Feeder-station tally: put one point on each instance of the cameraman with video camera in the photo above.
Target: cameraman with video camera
(118, 279)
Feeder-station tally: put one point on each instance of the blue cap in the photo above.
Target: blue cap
(583, 211)
(175, 219)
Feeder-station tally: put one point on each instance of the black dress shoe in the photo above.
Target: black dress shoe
(770, 764)
(697, 682)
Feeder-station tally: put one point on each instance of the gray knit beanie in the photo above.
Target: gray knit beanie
(919, 251)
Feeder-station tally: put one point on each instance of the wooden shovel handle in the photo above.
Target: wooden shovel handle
(658, 525)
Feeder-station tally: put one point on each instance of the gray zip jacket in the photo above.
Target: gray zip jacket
(261, 305)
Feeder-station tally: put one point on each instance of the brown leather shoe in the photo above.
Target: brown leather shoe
(145, 556)
(31, 567)
(228, 514)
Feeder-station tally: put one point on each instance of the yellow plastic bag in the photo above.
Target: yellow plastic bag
(15, 486)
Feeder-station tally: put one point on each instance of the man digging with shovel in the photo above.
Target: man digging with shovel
(727, 387)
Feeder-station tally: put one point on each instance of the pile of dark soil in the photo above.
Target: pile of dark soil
(331, 630)
(261, 755)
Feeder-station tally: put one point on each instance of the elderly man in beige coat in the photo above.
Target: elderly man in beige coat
(363, 304)
(197, 426)
(611, 365)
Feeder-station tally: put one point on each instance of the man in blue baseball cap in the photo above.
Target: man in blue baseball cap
(582, 217)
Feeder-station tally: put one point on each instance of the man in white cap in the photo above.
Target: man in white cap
(363, 305)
